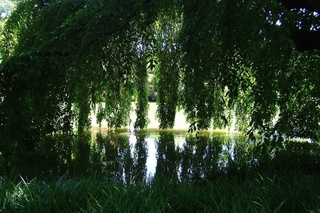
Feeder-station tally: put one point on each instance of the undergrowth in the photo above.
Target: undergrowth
(291, 191)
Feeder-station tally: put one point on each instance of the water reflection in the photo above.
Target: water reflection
(139, 156)
(143, 155)
(167, 156)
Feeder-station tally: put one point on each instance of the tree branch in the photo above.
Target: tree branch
(122, 26)
(127, 20)
(304, 40)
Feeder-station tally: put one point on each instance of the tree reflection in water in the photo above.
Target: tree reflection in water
(201, 157)
(184, 157)
(167, 156)
(140, 154)
(126, 158)
(179, 156)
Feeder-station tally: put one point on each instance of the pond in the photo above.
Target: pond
(141, 156)
(144, 155)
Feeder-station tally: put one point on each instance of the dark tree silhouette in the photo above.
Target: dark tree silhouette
(304, 40)
(312, 5)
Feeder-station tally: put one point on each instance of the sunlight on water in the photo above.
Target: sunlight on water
(155, 141)
(151, 157)
(144, 155)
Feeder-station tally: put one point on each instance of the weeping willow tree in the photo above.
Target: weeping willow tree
(217, 60)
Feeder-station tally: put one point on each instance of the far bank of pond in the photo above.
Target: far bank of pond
(180, 119)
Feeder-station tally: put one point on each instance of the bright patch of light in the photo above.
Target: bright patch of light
(3, 15)
(152, 154)
(278, 23)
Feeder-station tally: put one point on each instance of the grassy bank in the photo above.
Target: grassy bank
(292, 191)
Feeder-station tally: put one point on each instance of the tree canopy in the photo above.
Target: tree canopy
(217, 60)
(304, 38)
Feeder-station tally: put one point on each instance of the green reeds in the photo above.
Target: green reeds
(286, 192)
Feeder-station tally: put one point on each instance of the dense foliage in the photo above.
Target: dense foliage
(218, 60)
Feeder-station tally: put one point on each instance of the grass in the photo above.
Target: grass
(292, 191)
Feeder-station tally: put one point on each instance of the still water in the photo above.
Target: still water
(141, 156)
(144, 155)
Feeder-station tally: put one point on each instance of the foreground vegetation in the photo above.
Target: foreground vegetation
(292, 191)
